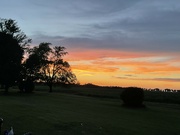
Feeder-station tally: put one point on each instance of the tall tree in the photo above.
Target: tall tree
(11, 55)
(31, 66)
(13, 42)
(56, 70)
(37, 58)
(49, 65)
(10, 27)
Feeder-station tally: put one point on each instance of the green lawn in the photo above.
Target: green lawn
(45, 113)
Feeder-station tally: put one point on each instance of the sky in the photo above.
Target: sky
(110, 42)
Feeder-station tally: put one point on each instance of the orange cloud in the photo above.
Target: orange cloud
(169, 69)
(94, 54)
(94, 68)
(99, 67)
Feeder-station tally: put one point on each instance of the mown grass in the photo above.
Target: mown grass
(44, 113)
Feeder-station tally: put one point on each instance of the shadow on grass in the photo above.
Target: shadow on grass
(142, 106)
(16, 93)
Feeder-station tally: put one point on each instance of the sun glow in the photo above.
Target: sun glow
(148, 70)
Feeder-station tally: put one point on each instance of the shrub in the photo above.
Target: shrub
(26, 86)
(29, 86)
(133, 97)
(21, 86)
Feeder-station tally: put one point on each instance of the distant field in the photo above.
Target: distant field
(55, 113)
(104, 92)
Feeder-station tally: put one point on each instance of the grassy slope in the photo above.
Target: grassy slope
(62, 114)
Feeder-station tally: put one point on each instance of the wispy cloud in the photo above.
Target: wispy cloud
(168, 79)
(150, 79)
(137, 25)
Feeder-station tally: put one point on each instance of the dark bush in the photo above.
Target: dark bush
(133, 97)
(21, 86)
(29, 86)
(26, 86)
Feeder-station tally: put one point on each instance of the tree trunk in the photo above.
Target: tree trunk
(2, 86)
(50, 87)
(6, 89)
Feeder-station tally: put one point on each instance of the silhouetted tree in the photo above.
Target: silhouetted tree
(11, 54)
(37, 58)
(32, 65)
(49, 65)
(10, 27)
(13, 43)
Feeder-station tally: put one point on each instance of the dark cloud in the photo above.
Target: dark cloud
(150, 79)
(156, 29)
(86, 8)
(168, 79)
(104, 8)
(110, 42)
(55, 40)
(130, 75)
(138, 25)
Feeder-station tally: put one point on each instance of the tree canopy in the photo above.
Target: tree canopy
(10, 27)
(11, 54)
(46, 64)
(13, 43)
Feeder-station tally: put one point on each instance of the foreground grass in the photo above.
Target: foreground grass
(45, 113)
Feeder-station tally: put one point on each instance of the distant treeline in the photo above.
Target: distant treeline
(114, 92)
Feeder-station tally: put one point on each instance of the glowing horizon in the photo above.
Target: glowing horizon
(126, 68)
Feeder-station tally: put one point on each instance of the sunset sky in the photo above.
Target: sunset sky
(110, 42)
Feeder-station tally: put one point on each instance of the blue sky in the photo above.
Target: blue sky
(119, 24)
(104, 30)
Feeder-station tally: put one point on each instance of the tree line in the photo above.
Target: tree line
(43, 63)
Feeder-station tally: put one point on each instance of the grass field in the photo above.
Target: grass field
(45, 113)
(107, 92)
